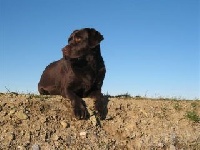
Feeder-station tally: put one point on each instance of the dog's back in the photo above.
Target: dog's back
(49, 83)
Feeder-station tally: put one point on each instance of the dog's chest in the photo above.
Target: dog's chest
(84, 74)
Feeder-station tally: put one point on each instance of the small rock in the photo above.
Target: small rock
(3, 104)
(4, 113)
(36, 127)
(10, 137)
(27, 136)
(64, 124)
(18, 121)
(172, 147)
(132, 135)
(21, 148)
(161, 145)
(35, 147)
(55, 137)
(21, 115)
(43, 119)
(12, 111)
(83, 134)
(11, 106)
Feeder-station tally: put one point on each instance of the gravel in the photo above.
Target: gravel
(47, 122)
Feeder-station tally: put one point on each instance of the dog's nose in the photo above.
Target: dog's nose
(66, 50)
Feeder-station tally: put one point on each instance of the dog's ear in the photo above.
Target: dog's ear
(95, 37)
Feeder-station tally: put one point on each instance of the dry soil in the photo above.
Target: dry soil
(47, 123)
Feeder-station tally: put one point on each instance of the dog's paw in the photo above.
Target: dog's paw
(81, 112)
(101, 109)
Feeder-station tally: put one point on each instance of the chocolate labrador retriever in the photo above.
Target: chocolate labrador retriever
(80, 73)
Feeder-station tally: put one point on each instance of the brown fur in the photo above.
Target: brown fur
(80, 73)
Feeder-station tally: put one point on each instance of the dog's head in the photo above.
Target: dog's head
(81, 42)
(85, 35)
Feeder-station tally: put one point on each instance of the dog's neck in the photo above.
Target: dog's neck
(75, 59)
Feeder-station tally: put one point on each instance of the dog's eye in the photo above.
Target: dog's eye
(78, 39)
(69, 39)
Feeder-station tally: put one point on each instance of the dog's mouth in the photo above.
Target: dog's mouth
(78, 59)
(73, 55)
(68, 53)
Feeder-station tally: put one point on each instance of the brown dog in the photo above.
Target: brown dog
(80, 73)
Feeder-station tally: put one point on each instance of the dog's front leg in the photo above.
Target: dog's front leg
(79, 106)
(100, 103)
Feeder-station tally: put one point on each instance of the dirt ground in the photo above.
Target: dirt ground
(47, 123)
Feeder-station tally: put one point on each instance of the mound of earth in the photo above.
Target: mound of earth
(47, 123)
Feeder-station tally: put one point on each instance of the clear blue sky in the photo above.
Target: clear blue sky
(150, 47)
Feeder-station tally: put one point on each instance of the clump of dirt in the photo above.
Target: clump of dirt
(47, 122)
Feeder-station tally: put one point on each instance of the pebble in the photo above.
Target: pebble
(21, 148)
(35, 147)
(172, 147)
(12, 111)
(36, 127)
(43, 119)
(64, 124)
(21, 115)
(55, 137)
(83, 134)
(10, 137)
(161, 145)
